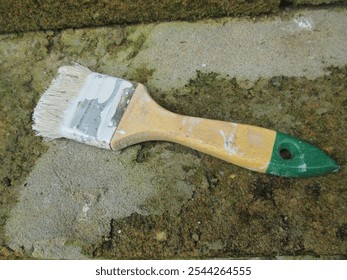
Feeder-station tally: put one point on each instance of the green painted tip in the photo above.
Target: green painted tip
(292, 157)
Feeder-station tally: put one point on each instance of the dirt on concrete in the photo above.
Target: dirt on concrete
(243, 214)
(30, 15)
(313, 2)
(19, 148)
(226, 211)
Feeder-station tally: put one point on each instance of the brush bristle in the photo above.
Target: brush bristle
(49, 112)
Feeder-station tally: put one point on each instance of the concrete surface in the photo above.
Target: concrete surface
(75, 191)
(80, 197)
(298, 44)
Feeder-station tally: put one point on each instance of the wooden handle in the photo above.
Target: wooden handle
(144, 120)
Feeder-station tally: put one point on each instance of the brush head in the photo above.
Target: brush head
(82, 105)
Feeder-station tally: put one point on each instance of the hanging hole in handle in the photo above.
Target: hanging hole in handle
(285, 154)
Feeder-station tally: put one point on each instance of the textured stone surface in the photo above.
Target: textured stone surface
(244, 49)
(25, 15)
(158, 200)
(315, 2)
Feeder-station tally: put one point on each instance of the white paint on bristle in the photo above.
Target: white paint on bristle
(81, 105)
(49, 113)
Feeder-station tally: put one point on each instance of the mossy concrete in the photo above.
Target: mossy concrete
(162, 200)
(29, 15)
(314, 2)
(241, 213)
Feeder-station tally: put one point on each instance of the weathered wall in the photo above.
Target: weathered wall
(26, 15)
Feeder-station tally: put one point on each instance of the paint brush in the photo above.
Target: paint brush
(113, 113)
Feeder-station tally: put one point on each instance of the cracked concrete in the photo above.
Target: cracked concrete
(76, 193)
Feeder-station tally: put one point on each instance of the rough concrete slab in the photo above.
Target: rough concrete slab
(78, 196)
(297, 46)
(75, 192)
